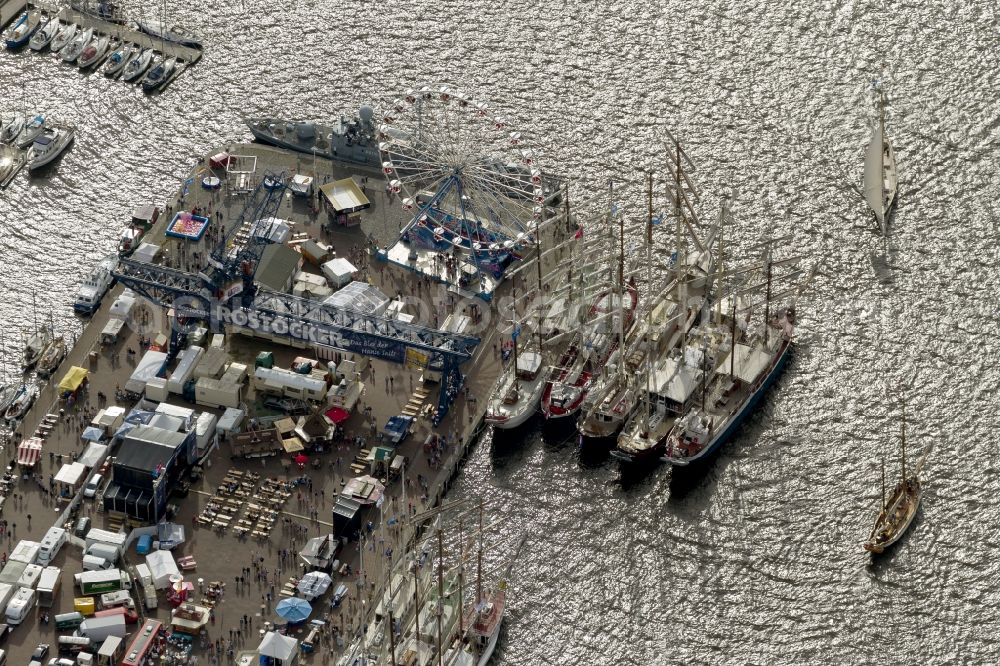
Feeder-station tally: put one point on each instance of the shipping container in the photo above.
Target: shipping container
(99, 582)
(48, 586)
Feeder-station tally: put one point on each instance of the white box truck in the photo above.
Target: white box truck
(48, 586)
(99, 628)
(147, 590)
(97, 535)
(184, 372)
(50, 545)
(19, 606)
(104, 550)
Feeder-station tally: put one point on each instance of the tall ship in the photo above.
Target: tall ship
(737, 359)
(349, 140)
(439, 604)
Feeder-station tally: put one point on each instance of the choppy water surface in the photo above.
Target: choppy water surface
(758, 558)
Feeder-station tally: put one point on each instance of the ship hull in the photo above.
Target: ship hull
(734, 424)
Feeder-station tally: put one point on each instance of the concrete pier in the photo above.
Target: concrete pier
(221, 554)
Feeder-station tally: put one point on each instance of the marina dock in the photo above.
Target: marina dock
(127, 33)
(219, 551)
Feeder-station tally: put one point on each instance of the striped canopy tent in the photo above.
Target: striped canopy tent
(29, 451)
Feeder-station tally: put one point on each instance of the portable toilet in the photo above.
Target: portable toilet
(144, 544)
(265, 359)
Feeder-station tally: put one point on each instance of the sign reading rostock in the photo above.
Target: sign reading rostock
(290, 327)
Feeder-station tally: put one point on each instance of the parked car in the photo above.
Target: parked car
(4, 630)
(40, 652)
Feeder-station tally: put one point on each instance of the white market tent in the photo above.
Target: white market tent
(149, 365)
(71, 474)
(161, 566)
(282, 649)
(123, 305)
(339, 271)
(93, 455)
(146, 253)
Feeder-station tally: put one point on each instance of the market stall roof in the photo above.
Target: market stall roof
(73, 378)
(92, 434)
(146, 253)
(29, 451)
(71, 473)
(276, 646)
(344, 196)
(93, 454)
(292, 445)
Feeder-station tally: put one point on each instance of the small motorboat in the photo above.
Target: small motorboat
(21, 404)
(138, 66)
(11, 128)
(119, 59)
(94, 51)
(159, 75)
(19, 34)
(34, 346)
(73, 50)
(49, 145)
(45, 34)
(31, 131)
(63, 37)
(8, 393)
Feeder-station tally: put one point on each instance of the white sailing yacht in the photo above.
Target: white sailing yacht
(880, 169)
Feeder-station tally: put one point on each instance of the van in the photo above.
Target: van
(91, 488)
(20, 606)
(118, 598)
(51, 543)
(105, 551)
(94, 563)
(68, 620)
(82, 526)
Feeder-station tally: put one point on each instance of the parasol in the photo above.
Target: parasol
(293, 610)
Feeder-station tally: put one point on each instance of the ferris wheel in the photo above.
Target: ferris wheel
(458, 166)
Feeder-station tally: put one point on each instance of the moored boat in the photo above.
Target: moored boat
(138, 65)
(32, 130)
(8, 392)
(49, 146)
(348, 140)
(63, 37)
(20, 32)
(21, 404)
(95, 51)
(52, 356)
(118, 60)
(34, 346)
(11, 128)
(159, 74)
(95, 286)
(72, 51)
(174, 34)
(45, 34)
(518, 391)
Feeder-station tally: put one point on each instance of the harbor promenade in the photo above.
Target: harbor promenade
(222, 555)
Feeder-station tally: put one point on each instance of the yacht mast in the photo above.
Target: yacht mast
(904, 443)
(883, 485)
(881, 156)
(461, 579)
(440, 609)
(649, 311)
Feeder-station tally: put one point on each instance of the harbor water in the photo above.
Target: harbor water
(756, 558)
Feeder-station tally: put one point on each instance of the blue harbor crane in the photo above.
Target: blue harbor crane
(225, 292)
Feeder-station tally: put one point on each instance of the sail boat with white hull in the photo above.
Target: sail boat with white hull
(880, 169)
(900, 508)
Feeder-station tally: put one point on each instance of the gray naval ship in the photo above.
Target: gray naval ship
(350, 140)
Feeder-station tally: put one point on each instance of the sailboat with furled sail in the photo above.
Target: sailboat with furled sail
(880, 169)
(900, 508)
